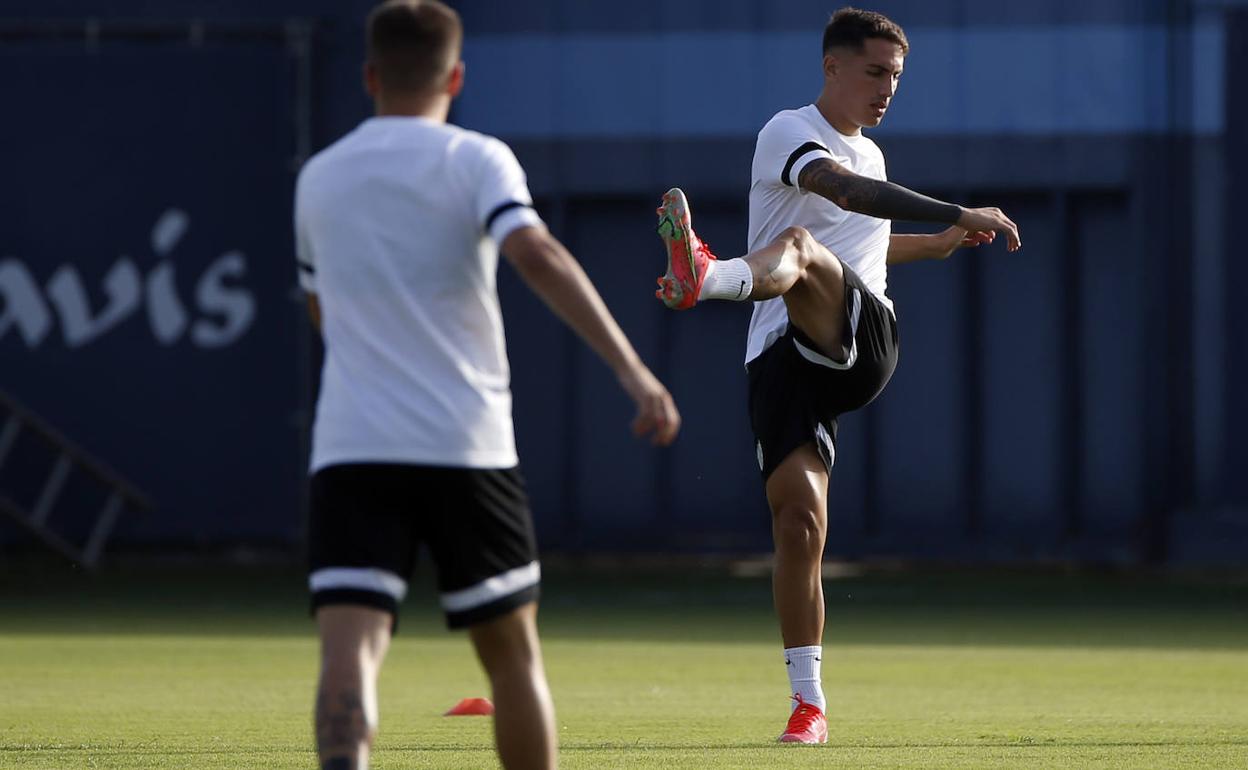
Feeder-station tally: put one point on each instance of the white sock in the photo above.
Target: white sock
(803, 664)
(729, 279)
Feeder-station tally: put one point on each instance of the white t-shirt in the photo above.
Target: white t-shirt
(789, 141)
(397, 229)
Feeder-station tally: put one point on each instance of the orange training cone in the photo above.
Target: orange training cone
(480, 707)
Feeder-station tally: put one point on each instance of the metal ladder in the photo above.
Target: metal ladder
(69, 458)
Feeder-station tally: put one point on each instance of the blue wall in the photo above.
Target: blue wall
(1069, 401)
(143, 266)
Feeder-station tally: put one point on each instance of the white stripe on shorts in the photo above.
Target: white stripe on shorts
(359, 579)
(815, 357)
(492, 589)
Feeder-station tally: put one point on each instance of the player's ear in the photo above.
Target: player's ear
(372, 83)
(455, 82)
(830, 65)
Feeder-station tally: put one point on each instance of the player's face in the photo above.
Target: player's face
(867, 81)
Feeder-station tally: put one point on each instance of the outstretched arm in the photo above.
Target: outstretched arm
(903, 248)
(873, 197)
(557, 278)
(886, 200)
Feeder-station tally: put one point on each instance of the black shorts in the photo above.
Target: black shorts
(797, 391)
(367, 522)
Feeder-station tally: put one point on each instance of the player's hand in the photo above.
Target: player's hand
(656, 412)
(948, 241)
(991, 219)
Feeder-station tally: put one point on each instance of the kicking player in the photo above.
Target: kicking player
(399, 225)
(823, 337)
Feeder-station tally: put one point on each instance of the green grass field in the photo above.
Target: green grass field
(177, 668)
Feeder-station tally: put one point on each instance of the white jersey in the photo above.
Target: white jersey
(789, 141)
(397, 230)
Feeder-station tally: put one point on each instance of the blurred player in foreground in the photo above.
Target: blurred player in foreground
(823, 337)
(399, 225)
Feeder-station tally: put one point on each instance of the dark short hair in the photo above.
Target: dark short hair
(852, 27)
(413, 43)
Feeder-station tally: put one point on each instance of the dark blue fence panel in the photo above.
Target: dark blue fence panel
(713, 497)
(145, 270)
(615, 477)
(920, 417)
(1114, 350)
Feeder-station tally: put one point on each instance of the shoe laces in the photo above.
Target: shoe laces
(702, 248)
(804, 716)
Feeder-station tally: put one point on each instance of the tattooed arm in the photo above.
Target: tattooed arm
(873, 197)
(886, 200)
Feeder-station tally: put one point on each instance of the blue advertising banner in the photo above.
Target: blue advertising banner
(146, 273)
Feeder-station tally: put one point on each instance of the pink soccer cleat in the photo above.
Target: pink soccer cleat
(807, 724)
(687, 255)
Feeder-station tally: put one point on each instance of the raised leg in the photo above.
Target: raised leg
(810, 279)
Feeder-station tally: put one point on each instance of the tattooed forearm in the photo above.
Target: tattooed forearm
(340, 727)
(873, 197)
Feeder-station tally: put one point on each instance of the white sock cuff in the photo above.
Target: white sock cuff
(803, 662)
(729, 279)
(795, 652)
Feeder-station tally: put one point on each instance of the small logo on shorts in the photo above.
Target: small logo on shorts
(758, 445)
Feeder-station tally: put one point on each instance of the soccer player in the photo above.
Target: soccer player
(823, 336)
(399, 225)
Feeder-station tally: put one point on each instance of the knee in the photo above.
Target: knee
(508, 647)
(511, 659)
(340, 664)
(807, 251)
(350, 666)
(799, 527)
(799, 241)
(353, 638)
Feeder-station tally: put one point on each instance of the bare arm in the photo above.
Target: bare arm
(908, 248)
(557, 278)
(886, 200)
(903, 248)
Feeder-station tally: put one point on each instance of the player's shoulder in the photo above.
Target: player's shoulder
(327, 157)
(476, 147)
(321, 158)
(789, 120)
(313, 169)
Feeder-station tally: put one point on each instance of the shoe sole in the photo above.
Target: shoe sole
(675, 228)
(796, 739)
